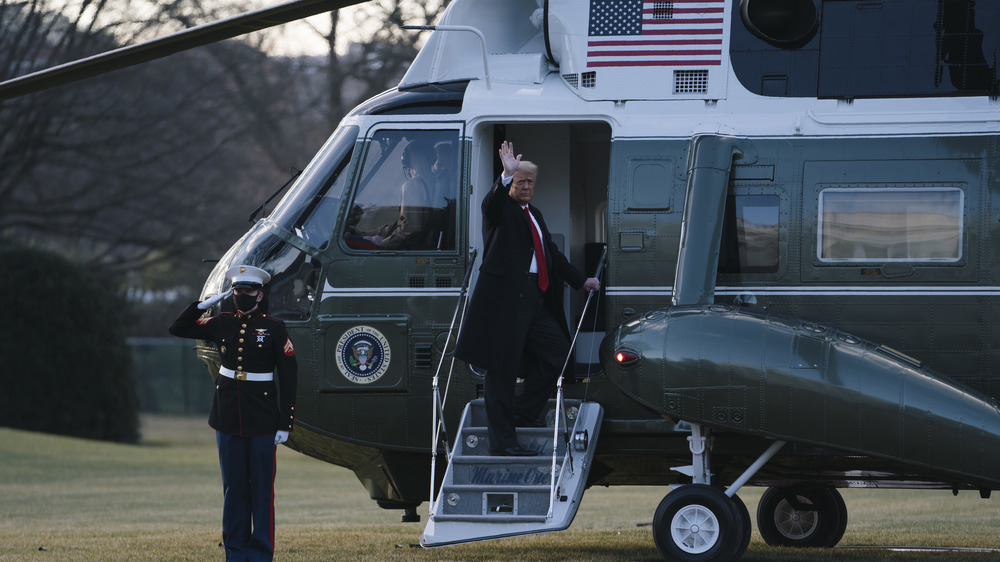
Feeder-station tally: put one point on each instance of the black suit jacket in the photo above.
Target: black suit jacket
(489, 320)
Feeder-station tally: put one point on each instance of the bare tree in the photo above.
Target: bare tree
(380, 51)
(147, 164)
(145, 171)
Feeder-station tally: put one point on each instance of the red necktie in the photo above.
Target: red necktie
(543, 272)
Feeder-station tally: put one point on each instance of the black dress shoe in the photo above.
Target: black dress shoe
(515, 452)
(522, 421)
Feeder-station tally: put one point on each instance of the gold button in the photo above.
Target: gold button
(239, 359)
(241, 340)
(243, 326)
(265, 393)
(239, 367)
(240, 350)
(243, 332)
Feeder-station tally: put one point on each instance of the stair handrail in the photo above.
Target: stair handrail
(437, 415)
(560, 415)
(560, 400)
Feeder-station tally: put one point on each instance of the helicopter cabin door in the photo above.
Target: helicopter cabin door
(396, 273)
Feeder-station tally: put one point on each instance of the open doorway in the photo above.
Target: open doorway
(572, 192)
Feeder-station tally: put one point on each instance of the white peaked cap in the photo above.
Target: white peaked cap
(247, 276)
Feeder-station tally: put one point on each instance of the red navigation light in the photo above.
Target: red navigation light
(625, 357)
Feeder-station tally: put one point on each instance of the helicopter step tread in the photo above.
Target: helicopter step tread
(538, 439)
(499, 459)
(491, 501)
(475, 415)
(484, 496)
(511, 471)
(491, 504)
(491, 519)
(481, 488)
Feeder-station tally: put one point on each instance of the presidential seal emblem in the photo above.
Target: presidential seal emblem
(363, 354)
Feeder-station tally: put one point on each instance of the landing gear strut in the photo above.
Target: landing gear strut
(410, 515)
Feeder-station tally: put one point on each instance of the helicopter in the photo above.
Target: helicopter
(791, 207)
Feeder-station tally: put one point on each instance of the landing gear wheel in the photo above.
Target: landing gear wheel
(699, 523)
(744, 515)
(842, 510)
(802, 516)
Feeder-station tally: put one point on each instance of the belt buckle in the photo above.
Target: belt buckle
(240, 375)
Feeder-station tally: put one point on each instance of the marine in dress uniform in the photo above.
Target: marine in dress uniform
(253, 410)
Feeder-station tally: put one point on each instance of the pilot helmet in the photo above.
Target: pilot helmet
(417, 149)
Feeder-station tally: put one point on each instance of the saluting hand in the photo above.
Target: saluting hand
(207, 303)
(510, 162)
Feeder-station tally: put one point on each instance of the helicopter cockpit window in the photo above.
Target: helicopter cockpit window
(294, 274)
(406, 194)
(890, 224)
(310, 207)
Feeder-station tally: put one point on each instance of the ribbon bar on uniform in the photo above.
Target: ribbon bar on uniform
(243, 376)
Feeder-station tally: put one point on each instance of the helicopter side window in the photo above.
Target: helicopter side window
(890, 224)
(406, 195)
(750, 234)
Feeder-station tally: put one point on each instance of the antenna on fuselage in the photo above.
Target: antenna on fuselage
(253, 215)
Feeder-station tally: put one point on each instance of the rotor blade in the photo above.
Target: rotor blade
(168, 45)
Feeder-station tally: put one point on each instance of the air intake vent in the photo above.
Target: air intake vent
(416, 282)
(663, 10)
(572, 79)
(442, 282)
(690, 81)
(589, 79)
(422, 357)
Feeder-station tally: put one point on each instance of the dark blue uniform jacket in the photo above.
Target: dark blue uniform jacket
(254, 343)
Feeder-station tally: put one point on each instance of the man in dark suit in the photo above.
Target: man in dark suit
(515, 324)
(253, 410)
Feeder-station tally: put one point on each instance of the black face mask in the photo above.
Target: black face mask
(245, 302)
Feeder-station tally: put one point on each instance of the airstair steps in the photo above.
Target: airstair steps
(523, 470)
(485, 496)
(475, 442)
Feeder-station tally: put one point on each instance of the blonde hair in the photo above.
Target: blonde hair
(528, 166)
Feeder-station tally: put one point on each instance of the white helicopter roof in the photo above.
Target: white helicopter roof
(605, 49)
(621, 60)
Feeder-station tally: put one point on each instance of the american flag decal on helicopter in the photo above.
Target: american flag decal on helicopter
(637, 33)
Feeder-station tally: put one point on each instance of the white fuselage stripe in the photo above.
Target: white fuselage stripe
(362, 292)
(817, 291)
(637, 291)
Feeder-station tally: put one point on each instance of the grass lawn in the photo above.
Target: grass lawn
(65, 499)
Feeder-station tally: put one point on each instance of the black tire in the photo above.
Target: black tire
(842, 508)
(802, 517)
(744, 514)
(698, 523)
